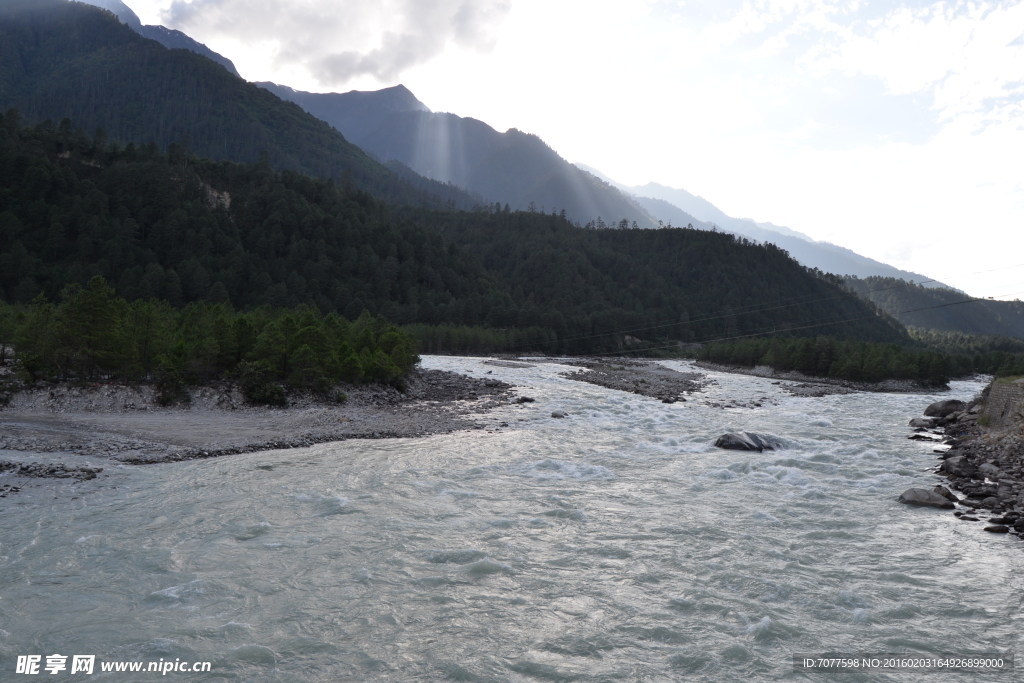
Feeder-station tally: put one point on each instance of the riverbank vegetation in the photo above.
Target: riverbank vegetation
(934, 361)
(92, 335)
(986, 354)
(828, 357)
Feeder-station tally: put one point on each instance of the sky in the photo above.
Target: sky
(895, 130)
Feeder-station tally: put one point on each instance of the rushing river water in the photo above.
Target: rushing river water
(615, 544)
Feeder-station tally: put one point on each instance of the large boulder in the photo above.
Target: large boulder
(746, 441)
(944, 408)
(925, 498)
(989, 470)
(958, 466)
(922, 423)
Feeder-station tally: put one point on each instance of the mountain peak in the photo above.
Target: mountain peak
(394, 99)
(118, 9)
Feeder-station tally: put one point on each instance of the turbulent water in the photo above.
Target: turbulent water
(614, 544)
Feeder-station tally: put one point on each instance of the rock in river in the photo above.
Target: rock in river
(922, 423)
(944, 408)
(925, 498)
(745, 441)
(558, 413)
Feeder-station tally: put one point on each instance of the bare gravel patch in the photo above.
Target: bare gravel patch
(643, 377)
(123, 423)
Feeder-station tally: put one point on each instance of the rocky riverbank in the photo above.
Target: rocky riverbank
(71, 425)
(983, 465)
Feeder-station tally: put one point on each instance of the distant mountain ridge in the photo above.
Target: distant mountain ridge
(513, 167)
(680, 207)
(169, 38)
(69, 59)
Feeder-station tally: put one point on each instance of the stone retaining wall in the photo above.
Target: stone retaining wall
(1005, 403)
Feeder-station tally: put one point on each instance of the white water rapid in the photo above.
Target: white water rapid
(614, 544)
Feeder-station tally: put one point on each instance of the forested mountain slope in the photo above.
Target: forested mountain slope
(513, 167)
(677, 283)
(66, 59)
(186, 229)
(167, 37)
(941, 309)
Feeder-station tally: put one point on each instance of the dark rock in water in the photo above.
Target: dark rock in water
(925, 498)
(944, 408)
(946, 493)
(922, 423)
(745, 441)
(997, 529)
(1000, 520)
(990, 502)
(967, 518)
(525, 399)
(958, 466)
(668, 400)
(558, 413)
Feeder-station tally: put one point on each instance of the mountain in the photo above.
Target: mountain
(941, 309)
(66, 59)
(513, 167)
(169, 38)
(682, 207)
(187, 229)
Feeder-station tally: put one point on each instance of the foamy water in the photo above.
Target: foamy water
(615, 544)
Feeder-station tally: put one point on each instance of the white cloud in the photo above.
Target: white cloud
(335, 41)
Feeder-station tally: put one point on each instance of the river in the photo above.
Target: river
(614, 544)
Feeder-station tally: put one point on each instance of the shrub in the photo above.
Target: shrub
(170, 389)
(256, 380)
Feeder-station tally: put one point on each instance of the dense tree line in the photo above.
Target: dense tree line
(185, 229)
(935, 360)
(939, 308)
(594, 286)
(67, 59)
(824, 356)
(987, 354)
(464, 339)
(91, 335)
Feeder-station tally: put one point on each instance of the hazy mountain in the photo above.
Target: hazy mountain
(677, 205)
(67, 59)
(513, 167)
(167, 37)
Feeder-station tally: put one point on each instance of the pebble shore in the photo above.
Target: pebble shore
(71, 426)
(984, 468)
(646, 378)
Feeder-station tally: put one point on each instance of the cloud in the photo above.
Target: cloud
(338, 40)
